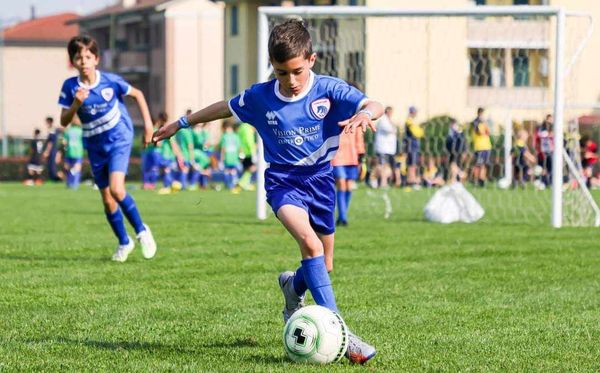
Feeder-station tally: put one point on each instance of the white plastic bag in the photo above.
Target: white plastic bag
(453, 203)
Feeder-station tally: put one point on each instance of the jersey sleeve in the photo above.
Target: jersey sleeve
(122, 87)
(241, 106)
(66, 95)
(348, 99)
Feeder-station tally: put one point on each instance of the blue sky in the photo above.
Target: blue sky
(15, 10)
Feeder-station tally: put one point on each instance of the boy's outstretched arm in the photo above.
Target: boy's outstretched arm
(218, 110)
(369, 112)
(143, 105)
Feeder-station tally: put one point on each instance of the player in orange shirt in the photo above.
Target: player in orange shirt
(345, 170)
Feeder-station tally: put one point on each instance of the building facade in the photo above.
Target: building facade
(171, 50)
(34, 64)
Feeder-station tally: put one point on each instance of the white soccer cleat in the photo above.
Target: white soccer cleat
(358, 351)
(147, 242)
(293, 302)
(123, 251)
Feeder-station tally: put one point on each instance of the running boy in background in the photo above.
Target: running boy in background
(482, 145)
(97, 99)
(34, 166)
(230, 154)
(345, 170)
(73, 143)
(299, 115)
(248, 155)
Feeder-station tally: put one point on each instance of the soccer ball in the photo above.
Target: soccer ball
(314, 334)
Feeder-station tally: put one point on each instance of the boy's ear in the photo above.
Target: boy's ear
(312, 59)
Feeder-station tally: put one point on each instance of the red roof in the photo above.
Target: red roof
(50, 28)
(118, 8)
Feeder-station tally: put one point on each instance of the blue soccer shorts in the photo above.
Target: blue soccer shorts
(345, 172)
(312, 188)
(108, 159)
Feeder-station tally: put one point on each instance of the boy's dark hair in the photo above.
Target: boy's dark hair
(49, 120)
(77, 43)
(37, 132)
(162, 116)
(480, 110)
(288, 40)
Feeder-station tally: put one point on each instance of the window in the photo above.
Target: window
(233, 83)
(520, 60)
(479, 2)
(530, 67)
(486, 67)
(234, 20)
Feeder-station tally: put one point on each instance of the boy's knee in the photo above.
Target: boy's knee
(110, 205)
(117, 192)
(312, 246)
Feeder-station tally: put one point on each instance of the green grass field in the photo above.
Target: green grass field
(499, 295)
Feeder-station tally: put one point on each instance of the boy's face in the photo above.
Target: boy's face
(85, 62)
(293, 74)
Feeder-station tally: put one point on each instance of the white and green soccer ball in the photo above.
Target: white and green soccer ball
(314, 334)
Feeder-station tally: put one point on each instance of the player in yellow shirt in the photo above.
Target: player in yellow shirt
(412, 146)
(482, 145)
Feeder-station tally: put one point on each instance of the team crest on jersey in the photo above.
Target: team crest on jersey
(107, 93)
(320, 107)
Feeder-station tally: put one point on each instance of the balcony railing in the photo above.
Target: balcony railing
(507, 32)
(132, 61)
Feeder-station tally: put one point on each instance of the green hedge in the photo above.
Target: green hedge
(15, 169)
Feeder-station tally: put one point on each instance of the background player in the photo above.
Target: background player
(73, 142)
(97, 99)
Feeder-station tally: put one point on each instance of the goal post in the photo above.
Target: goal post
(551, 52)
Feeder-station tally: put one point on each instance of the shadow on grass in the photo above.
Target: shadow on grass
(239, 343)
(55, 258)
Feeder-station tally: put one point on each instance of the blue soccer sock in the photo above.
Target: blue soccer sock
(194, 177)
(167, 179)
(115, 220)
(228, 179)
(131, 212)
(317, 280)
(299, 282)
(348, 195)
(203, 181)
(75, 179)
(341, 205)
(69, 179)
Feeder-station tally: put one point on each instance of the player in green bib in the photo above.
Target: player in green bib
(200, 172)
(230, 154)
(247, 154)
(73, 145)
(185, 141)
(170, 156)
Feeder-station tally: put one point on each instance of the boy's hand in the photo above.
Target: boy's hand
(360, 119)
(165, 132)
(147, 138)
(81, 95)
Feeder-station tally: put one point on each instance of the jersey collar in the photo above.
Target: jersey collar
(88, 87)
(311, 80)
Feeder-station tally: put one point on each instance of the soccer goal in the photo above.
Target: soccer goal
(520, 64)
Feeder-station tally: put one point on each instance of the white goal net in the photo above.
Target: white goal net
(522, 159)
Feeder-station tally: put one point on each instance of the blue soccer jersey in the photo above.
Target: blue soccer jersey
(103, 115)
(301, 130)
